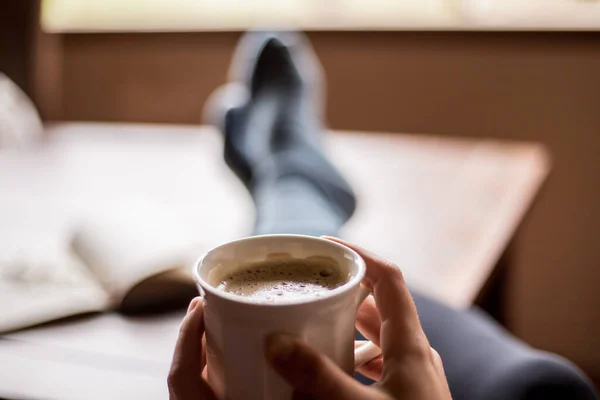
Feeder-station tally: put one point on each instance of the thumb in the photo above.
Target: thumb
(309, 372)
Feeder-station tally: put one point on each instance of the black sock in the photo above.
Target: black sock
(273, 144)
(295, 187)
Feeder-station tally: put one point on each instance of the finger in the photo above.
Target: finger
(309, 372)
(184, 379)
(401, 333)
(367, 320)
(203, 366)
(439, 368)
(372, 369)
(359, 343)
(203, 357)
(437, 363)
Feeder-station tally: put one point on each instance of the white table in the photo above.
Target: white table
(443, 209)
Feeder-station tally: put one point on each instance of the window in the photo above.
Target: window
(119, 15)
(210, 15)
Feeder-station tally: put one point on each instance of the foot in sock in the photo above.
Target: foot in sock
(265, 84)
(271, 117)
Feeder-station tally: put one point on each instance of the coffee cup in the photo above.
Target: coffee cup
(236, 326)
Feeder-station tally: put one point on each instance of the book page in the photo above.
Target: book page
(133, 242)
(35, 289)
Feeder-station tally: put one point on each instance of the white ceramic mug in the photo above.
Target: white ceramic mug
(236, 327)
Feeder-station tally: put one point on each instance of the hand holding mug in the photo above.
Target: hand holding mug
(408, 368)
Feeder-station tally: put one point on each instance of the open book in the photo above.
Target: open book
(134, 263)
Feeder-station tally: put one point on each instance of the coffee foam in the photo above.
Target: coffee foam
(285, 279)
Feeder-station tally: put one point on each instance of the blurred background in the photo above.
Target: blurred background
(469, 69)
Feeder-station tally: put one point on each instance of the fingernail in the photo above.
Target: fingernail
(193, 304)
(280, 347)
